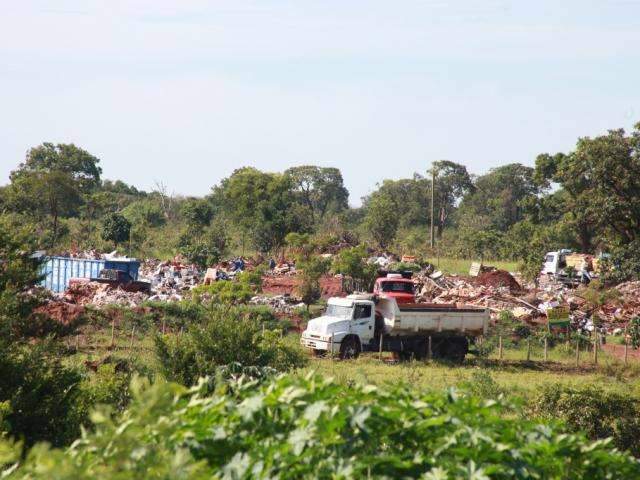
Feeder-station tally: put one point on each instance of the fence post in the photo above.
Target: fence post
(528, 349)
(430, 350)
(577, 351)
(133, 332)
(626, 347)
(595, 347)
(500, 347)
(163, 327)
(546, 346)
(332, 346)
(380, 347)
(113, 332)
(77, 342)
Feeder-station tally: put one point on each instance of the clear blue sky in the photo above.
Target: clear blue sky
(184, 92)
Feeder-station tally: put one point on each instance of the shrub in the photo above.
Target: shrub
(107, 387)
(404, 266)
(227, 336)
(292, 427)
(232, 292)
(483, 385)
(174, 315)
(115, 228)
(598, 413)
(39, 393)
(351, 262)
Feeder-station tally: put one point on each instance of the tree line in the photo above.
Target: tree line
(586, 199)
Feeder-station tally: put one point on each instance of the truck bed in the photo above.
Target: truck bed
(432, 319)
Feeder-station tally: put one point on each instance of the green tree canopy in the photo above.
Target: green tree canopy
(498, 200)
(320, 189)
(53, 180)
(602, 178)
(452, 182)
(382, 219)
(263, 206)
(115, 228)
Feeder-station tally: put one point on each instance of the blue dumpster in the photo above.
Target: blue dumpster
(57, 271)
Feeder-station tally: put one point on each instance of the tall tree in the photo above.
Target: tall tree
(452, 183)
(53, 181)
(498, 199)
(382, 219)
(602, 177)
(115, 228)
(411, 194)
(320, 189)
(262, 206)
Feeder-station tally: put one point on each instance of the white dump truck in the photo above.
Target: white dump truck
(360, 323)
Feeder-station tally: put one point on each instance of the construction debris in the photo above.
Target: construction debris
(498, 278)
(285, 304)
(496, 290)
(99, 295)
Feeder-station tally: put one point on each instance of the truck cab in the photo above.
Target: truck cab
(347, 324)
(394, 285)
(555, 262)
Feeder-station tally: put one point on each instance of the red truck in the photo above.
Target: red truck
(394, 285)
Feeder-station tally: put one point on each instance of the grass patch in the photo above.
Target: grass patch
(514, 375)
(460, 266)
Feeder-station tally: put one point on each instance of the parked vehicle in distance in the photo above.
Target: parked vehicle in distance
(394, 285)
(567, 267)
(360, 323)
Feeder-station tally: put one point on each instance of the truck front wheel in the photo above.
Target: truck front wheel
(349, 348)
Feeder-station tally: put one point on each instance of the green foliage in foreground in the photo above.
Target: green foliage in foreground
(39, 393)
(292, 427)
(598, 413)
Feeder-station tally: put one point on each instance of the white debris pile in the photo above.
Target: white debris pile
(101, 294)
(279, 303)
(169, 280)
(117, 296)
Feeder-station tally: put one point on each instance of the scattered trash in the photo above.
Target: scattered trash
(280, 303)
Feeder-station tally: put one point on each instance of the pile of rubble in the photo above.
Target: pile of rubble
(498, 290)
(169, 280)
(100, 295)
(284, 304)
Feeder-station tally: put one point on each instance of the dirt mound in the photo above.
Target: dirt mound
(81, 293)
(498, 278)
(280, 285)
(62, 312)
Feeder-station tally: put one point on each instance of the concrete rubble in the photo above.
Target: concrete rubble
(285, 304)
(486, 287)
(100, 295)
(169, 280)
(498, 291)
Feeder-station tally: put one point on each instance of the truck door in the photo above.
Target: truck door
(363, 321)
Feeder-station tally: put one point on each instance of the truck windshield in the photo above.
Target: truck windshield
(339, 311)
(402, 287)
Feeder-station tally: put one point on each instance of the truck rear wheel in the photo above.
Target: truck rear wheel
(455, 349)
(421, 349)
(349, 348)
